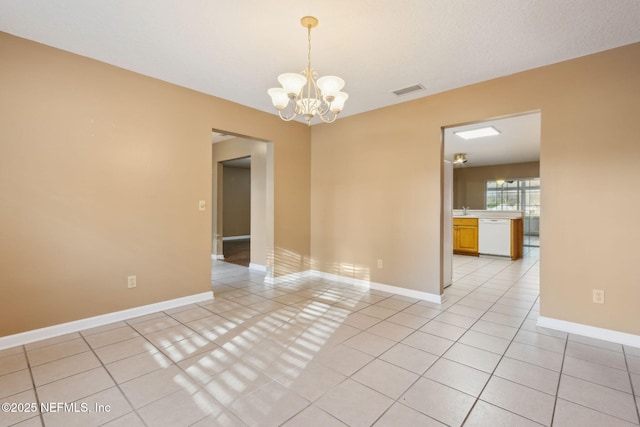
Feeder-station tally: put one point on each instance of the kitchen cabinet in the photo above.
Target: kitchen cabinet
(465, 236)
(517, 238)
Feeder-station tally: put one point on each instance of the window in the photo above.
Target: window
(517, 195)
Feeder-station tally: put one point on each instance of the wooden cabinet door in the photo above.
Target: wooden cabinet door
(465, 236)
(468, 238)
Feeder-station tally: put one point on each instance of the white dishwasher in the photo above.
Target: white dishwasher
(494, 236)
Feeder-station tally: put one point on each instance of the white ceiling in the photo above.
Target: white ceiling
(242, 163)
(236, 49)
(518, 142)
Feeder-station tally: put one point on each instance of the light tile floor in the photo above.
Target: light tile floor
(313, 352)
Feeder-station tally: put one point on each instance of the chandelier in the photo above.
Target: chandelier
(304, 94)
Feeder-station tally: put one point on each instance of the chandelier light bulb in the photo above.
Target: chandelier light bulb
(279, 97)
(330, 86)
(292, 83)
(338, 103)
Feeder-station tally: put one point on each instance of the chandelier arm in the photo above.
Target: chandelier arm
(290, 112)
(323, 107)
(326, 118)
(285, 118)
(321, 102)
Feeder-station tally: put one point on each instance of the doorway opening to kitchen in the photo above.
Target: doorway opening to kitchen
(491, 169)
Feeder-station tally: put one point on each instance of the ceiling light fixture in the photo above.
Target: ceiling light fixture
(304, 94)
(478, 133)
(459, 158)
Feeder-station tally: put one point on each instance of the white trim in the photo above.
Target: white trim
(411, 293)
(224, 239)
(589, 331)
(424, 296)
(104, 319)
(258, 267)
(289, 277)
(217, 257)
(342, 279)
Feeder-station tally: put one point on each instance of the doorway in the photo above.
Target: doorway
(242, 199)
(496, 172)
(236, 210)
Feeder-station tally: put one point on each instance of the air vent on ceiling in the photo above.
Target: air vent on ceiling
(407, 90)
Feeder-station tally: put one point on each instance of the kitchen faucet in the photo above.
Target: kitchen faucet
(464, 210)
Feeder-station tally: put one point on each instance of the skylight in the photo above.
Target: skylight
(478, 133)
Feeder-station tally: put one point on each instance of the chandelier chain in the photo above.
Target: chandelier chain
(309, 49)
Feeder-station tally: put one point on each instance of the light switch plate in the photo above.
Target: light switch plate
(598, 296)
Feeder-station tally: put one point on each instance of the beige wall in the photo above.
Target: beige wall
(261, 194)
(469, 182)
(236, 201)
(376, 184)
(101, 171)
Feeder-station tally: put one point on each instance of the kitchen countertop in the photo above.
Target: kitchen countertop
(457, 213)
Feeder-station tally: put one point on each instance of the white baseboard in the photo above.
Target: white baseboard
(411, 293)
(258, 267)
(92, 322)
(218, 257)
(589, 331)
(224, 239)
(287, 277)
(424, 296)
(360, 283)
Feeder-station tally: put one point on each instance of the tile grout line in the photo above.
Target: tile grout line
(133, 408)
(555, 400)
(238, 360)
(33, 383)
(566, 339)
(198, 386)
(502, 356)
(429, 320)
(377, 357)
(327, 287)
(380, 320)
(171, 361)
(328, 315)
(439, 357)
(635, 398)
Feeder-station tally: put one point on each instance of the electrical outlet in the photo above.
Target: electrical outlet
(131, 282)
(598, 296)
(379, 263)
(202, 205)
